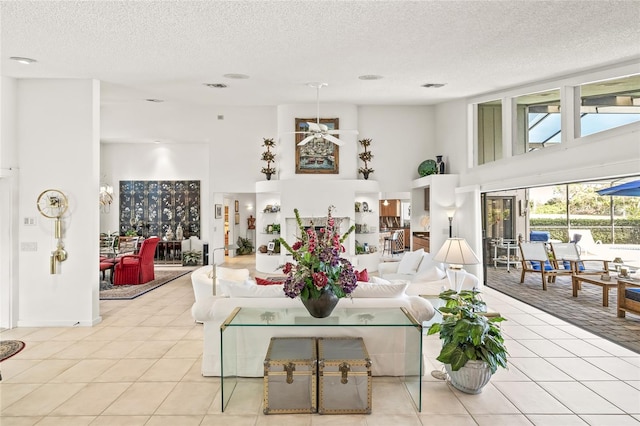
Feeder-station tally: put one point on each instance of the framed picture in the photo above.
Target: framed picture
(271, 246)
(218, 211)
(237, 218)
(317, 156)
(237, 204)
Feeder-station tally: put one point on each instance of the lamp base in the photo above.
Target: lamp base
(456, 274)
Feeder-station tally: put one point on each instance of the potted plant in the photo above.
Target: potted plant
(191, 257)
(245, 246)
(269, 157)
(365, 156)
(472, 343)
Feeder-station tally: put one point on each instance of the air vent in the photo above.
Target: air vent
(433, 85)
(154, 100)
(216, 85)
(370, 77)
(236, 76)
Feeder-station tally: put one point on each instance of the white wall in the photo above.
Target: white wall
(148, 161)
(8, 203)
(58, 140)
(402, 137)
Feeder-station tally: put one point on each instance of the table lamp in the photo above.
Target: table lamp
(456, 252)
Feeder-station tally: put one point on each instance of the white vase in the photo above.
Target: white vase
(179, 233)
(470, 378)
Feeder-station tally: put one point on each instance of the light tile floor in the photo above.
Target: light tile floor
(141, 366)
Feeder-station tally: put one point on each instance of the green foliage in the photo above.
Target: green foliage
(191, 257)
(245, 246)
(627, 231)
(466, 334)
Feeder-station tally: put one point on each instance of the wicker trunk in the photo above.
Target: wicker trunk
(290, 371)
(344, 376)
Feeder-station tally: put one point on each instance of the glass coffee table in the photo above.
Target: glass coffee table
(386, 319)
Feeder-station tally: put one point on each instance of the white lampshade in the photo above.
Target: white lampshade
(456, 251)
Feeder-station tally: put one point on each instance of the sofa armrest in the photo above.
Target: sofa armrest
(203, 310)
(387, 268)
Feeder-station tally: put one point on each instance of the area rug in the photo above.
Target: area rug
(109, 291)
(9, 348)
(585, 311)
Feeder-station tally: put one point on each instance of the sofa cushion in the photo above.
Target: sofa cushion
(410, 262)
(378, 280)
(249, 288)
(372, 290)
(230, 274)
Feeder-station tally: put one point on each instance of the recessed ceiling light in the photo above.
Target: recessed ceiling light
(216, 85)
(370, 77)
(236, 76)
(433, 85)
(154, 100)
(25, 61)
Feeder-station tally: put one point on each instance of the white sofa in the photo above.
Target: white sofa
(202, 281)
(385, 346)
(427, 277)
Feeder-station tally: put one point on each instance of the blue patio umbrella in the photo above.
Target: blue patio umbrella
(629, 189)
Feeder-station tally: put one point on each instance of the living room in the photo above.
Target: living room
(83, 137)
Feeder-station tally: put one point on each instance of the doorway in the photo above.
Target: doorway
(498, 217)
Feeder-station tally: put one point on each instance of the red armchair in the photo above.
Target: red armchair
(137, 268)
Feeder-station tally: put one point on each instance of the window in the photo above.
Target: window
(609, 104)
(489, 131)
(538, 121)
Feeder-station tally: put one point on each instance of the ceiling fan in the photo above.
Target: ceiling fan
(318, 131)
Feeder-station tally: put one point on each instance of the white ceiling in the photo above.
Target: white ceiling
(168, 49)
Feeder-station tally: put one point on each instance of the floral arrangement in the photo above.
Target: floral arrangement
(318, 266)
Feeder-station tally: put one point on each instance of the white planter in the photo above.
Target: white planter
(471, 378)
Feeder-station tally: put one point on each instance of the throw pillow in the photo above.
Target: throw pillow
(269, 281)
(410, 261)
(232, 274)
(363, 275)
(378, 280)
(371, 290)
(249, 288)
(432, 274)
(427, 262)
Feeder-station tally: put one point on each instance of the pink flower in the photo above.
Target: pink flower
(287, 267)
(297, 245)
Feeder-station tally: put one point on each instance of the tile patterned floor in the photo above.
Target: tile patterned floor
(141, 366)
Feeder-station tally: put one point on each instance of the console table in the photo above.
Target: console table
(389, 320)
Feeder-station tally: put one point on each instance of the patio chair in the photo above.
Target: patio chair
(535, 258)
(568, 254)
(584, 240)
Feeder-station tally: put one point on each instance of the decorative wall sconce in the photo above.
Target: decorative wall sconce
(106, 197)
(53, 204)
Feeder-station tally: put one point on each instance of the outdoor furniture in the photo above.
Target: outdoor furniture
(628, 296)
(584, 240)
(577, 280)
(137, 268)
(569, 255)
(535, 259)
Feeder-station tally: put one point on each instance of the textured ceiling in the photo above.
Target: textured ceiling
(168, 49)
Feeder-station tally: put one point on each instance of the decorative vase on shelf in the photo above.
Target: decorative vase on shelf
(322, 306)
(439, 165)
(268, 176)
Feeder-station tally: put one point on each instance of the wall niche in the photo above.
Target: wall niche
(156, 207)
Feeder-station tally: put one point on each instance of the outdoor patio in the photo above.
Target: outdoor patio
(585, 311)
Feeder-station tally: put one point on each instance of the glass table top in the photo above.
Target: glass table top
(340, 317)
